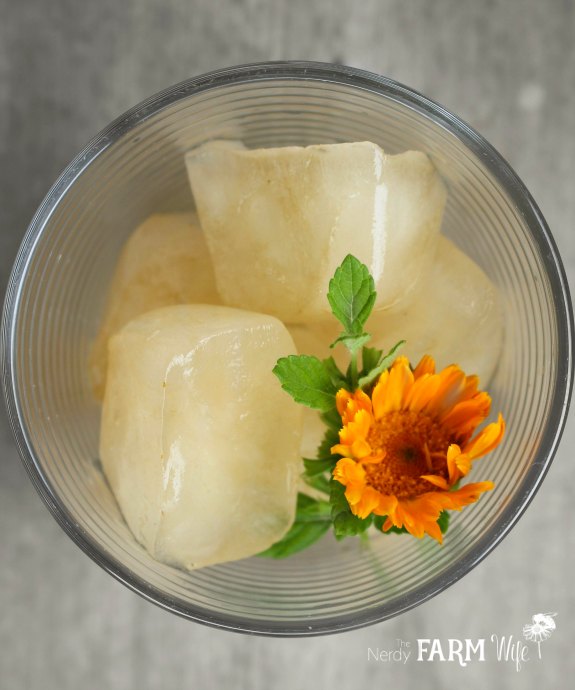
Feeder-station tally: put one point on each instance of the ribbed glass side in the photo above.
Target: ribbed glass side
(59, 292)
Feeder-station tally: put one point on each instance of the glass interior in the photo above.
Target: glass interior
(135, 168)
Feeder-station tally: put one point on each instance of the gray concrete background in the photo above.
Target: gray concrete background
(66, 69)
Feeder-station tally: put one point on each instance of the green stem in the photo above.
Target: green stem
(353, 370)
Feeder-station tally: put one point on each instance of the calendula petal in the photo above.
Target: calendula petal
(464, 417)
(412, 417)
(454, 453)
(387, 525)
(342, 397)
(436, 480)
(426, 365)
(347, 470)
(342, 449)
(354, 494)
(487, 440)
(470, 493)
(451, 387)
(355, 403)
(372, 459)
(360, 449)
(470, 389)
(367, 503)
(386, 505)
(398, 386)
(379, 394)
(422, 392)
(363, 401)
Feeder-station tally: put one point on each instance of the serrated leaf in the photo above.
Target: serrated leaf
(312, 521)
(352, 342)
(349, 525)
(308, 508)
(345, 523)
(315, 467)
(337, 498)
(382, 365)
(319, 482)
(443, 521)
(370, 358)
(396, 530)
(330, 439)
(379, 521)
(299, 537)
(337, 377)
(307, 380)
(351, 295)
(332, 420)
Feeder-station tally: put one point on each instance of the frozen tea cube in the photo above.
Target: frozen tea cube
(279, 221)
(313, 430)
(199, 442)
(315, 338)
(164, 262)
(455, 316)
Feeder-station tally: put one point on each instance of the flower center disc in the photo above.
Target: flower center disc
(414, 444)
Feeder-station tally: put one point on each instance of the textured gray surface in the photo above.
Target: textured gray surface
(66, 69)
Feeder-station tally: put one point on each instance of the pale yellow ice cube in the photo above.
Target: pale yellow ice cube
(279, 221)
(165, 261)
(199, 442)
(315, 338)
(455, 316)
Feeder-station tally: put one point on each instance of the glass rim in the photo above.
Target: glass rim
(501, 171)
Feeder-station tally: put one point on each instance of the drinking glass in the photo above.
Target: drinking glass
(135, 167)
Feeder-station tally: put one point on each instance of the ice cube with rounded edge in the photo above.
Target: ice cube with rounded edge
(455, 316)
(198, 441)
(316, 337)
(165, 261)
(279, 221)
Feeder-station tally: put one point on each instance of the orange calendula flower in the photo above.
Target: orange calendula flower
(407, 445)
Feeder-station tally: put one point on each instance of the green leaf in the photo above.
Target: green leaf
(351, 295)
(443, 521)
(315, 467)
(312, 521)
(330, 439)
(352, 342)
(370, 358)
(337, 498)
(336, 376)
(349, 525)
(319, 482)
(333, 421)
(299, 537)
(396, 530)
(309, 509)
(307, 380)
(345, 523)
(379, 521)
(382, 365)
